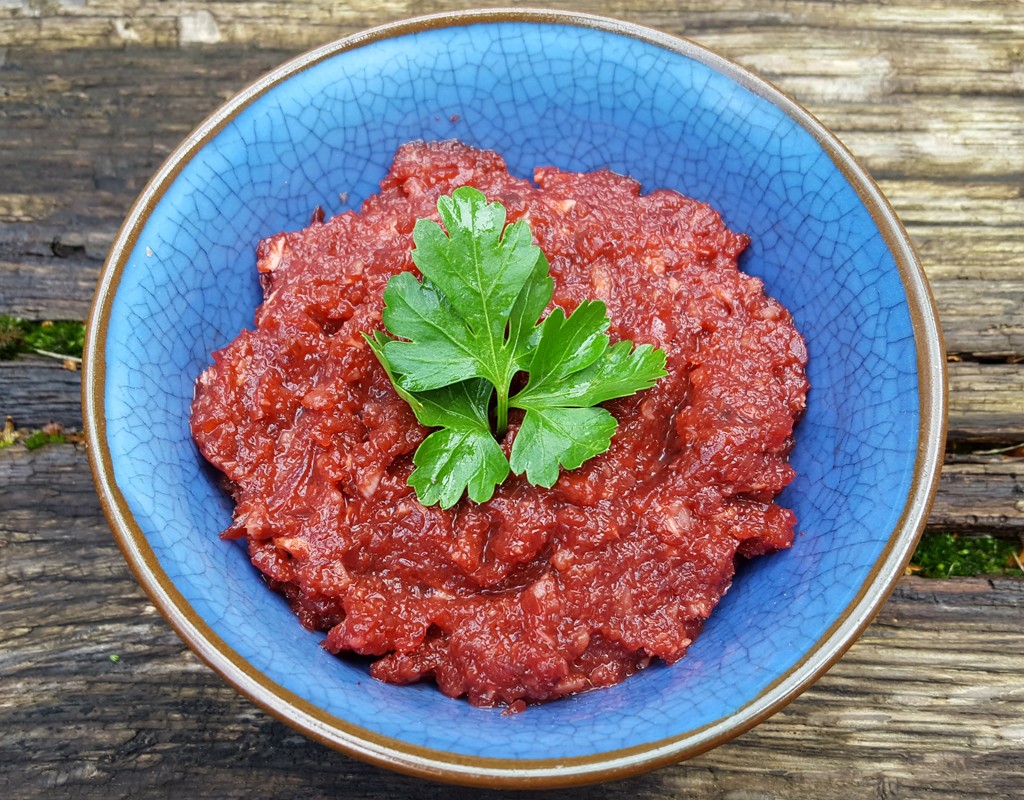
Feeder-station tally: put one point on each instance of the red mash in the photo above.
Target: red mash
(537, 593)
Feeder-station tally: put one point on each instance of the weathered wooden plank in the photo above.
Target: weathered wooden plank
(48, 271)
(932, 137)
(982, 319)
(964, 229)
(849, 62)
(54, 288)
(928, 138)
(65, 192)
(106, 22)
(986, 402)
(61, 204)
(971, 251)
(46, 490)
(35, 391)
(928, 703)
(980, 494)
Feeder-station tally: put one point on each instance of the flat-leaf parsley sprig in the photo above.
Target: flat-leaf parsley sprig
(455, 340)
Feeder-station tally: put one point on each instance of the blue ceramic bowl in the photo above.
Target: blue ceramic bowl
(580, 93)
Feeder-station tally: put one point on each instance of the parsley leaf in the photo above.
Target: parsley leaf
(466, 319)
(456, 340)
(463, 455)
(555, 437)
(572, 369)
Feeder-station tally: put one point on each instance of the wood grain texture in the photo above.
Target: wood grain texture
(986, 399)
(986, 402)
(927, 704)
(937, 122)
(980, 494)
(95, 94)
(35, 391)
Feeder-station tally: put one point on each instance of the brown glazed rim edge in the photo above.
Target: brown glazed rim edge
(534, 773)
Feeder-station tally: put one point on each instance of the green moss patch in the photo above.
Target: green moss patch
(63, 338)
(948, 555)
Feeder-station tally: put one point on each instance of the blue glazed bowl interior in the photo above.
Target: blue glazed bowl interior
(579, 98)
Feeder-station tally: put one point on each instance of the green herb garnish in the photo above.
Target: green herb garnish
(455, 341)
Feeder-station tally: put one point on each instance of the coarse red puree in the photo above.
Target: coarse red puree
(537, 593)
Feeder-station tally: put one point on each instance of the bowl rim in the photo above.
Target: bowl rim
(532, 773)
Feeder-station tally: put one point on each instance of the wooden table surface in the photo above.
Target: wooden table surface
(94, 94)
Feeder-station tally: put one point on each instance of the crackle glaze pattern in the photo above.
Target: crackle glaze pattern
(182, 282)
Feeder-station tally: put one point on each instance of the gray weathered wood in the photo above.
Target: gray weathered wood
(977, 494)
(986, 402)
(35, 391)
(980, 494)
(930, 696)
(982, 319)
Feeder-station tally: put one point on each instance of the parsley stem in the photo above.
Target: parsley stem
(502, 411)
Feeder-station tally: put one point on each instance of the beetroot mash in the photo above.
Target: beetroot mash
(537, 593)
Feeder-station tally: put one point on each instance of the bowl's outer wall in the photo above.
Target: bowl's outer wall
(581, 99)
